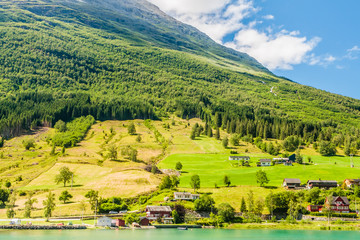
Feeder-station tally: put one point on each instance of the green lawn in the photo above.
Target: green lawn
(212, 167)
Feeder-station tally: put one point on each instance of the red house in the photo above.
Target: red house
(314, 208)
(338, 204)
(153, 213)
(144, 221)
(120, 223)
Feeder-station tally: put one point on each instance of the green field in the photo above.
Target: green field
(212, 167)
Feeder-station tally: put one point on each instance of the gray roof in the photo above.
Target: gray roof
(292, 180)
(322, 181)
(265, 160)
(181, 193)
(158, 208)
(239, 157)
(344, 199)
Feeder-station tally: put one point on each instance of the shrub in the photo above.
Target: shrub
(343, 215)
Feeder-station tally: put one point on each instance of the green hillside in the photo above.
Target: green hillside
(126, 59)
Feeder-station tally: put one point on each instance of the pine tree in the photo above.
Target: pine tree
(243, 205)
(217, 134)
(209, 132)
(218, 119)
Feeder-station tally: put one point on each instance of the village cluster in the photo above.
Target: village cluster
(161, 214)
(339, 204)
(244, 160)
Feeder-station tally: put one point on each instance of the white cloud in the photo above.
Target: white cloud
(353, 53)
(276, 49)
(279, 51)
(269, 17)
(324, 61)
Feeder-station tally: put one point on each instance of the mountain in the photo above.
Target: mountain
(125, 59)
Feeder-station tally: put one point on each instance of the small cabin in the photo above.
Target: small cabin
(144, 221)
(104, 222)
(120, 223)
(314, 208)
(15, 221)
(185, 196)
(264, 163)
(291, 183)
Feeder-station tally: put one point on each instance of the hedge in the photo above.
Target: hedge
(344, 215)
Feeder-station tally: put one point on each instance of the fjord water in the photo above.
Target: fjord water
(174, 234)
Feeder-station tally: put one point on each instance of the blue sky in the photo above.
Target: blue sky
(313, 42)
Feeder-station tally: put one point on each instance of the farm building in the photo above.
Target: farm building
(15, 221)
(185, 196)
(144, 221)
(288, 163)
(321, 184)
(338, 204)
(153, 213)
(120, 223)
(291, 183)
(104, 222)
(239, 158)
(264, 163)
(352, 182)
(314, 208)
(280, 160)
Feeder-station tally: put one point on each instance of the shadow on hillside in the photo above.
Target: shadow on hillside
(271, 187)
(120, 161)
(75, 185)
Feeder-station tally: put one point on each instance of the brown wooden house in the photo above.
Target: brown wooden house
(338, 204)
(155, 213)
(291, 183)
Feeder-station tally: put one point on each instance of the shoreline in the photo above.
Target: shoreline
(323, 226)
(316, 226)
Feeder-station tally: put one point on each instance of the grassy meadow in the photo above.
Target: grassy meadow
(124, 178)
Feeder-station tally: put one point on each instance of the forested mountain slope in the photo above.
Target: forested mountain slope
(126, 59)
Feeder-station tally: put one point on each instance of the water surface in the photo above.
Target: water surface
(174, 234)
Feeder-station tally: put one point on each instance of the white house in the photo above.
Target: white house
(15, 221)
(185, 196)
(104, 222)
(265, 162)
(239, 158)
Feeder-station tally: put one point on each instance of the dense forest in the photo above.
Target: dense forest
(60, 61)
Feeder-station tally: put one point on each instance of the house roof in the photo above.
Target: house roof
(322, 182)
(292, 180)
(335, 199)
(265, 160)
(158, 208)
(281, 159)
(353, 180)
(239, 157)
(181, 193)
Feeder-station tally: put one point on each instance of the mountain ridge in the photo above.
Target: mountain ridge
(62, 60)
